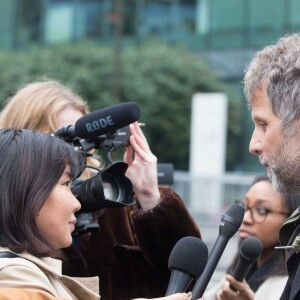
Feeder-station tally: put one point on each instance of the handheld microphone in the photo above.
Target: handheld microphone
(250, 250)
(165, 173)
(102, 121)
(187, 261)
(229, 225)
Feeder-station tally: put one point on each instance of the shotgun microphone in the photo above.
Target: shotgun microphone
(102, 121)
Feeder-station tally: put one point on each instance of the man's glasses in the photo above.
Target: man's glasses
(259, 213)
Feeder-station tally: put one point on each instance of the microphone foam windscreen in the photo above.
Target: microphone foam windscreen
(190, 255)
(251, 248)
(107, 120)
(235, 213)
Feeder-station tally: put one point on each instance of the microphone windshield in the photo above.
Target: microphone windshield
(189, 255)
(251, 248)
(231, 220)
(107, 120)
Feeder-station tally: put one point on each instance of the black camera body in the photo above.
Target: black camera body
(109, 187)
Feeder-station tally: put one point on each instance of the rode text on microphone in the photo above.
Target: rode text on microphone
(106, 129)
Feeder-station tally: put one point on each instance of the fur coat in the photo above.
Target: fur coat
(130, 252)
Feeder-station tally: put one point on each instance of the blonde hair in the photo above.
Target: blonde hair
(36, 105)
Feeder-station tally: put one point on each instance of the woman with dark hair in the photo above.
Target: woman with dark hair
(130, 252)
(265, 212)
(37, 215)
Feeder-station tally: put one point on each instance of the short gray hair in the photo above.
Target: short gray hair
(277, 66)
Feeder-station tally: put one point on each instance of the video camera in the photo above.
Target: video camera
(106, 129)
(102, 129)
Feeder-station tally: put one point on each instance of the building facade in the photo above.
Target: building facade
(226, 33)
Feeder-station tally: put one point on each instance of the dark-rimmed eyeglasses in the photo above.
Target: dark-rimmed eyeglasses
(259, 212)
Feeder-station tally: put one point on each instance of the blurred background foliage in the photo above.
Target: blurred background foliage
(160, 78)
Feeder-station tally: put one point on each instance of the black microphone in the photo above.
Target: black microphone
(187, 261)
(102, 121)
(229, 225)
(165, 173)
(250, 250)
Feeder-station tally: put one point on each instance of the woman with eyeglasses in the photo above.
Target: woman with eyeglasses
(265, 212)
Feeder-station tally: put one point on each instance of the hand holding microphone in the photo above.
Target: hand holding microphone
(250, 250)
(244, 290)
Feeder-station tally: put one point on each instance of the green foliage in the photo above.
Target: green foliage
(161, 79)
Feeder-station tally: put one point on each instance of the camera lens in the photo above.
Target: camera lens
(111, 189)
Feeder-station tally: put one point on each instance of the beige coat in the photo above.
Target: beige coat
(270, 289)
(44, 274)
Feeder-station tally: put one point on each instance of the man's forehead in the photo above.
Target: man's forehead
(256, 87)
(260, 98)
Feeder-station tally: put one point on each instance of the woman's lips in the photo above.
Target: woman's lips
(244, 233)
(72, 224)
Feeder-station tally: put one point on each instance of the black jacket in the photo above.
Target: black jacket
(288, 233)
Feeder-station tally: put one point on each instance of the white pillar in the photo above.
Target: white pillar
(208, 151)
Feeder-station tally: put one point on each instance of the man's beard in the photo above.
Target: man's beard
(284, 168)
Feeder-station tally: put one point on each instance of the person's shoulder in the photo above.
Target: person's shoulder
(23, 273)
(15, 260)
(20, 267)
(169, 196)
(271, 288)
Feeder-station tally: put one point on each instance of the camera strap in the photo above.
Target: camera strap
(7, 254)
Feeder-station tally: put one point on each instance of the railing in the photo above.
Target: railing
(210, 195)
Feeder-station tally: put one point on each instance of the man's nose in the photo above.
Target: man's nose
(255, 145)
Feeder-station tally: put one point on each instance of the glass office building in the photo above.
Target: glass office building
(53, 21)
(200, 24)
(225, 32)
